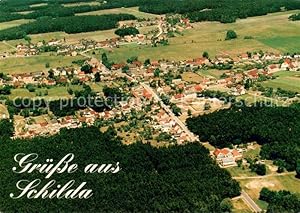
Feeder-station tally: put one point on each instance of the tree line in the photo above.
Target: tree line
(72, 24)
(276, 128)
(174, 179)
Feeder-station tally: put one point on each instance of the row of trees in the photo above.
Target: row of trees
(72, 24)
(174, 179)
(295, 17)
(276, 128)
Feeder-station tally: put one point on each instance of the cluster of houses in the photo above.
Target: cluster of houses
(181, 92)
(164, 123)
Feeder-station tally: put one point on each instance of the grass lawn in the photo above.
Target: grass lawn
(212, 73)
(239, 172)
(286, 80)
(192, 77)
(130, 10)
(97, 87)
(35, 63)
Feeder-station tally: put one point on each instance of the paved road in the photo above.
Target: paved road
(169, 111)
(250, 202)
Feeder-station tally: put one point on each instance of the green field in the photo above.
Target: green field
(286, 80)
(53, 93)
(130, 10)
(284, 44)
(34, 63)
(209, 36)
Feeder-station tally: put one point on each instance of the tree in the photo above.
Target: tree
(259, 168)
(6, 90)
(104, 57)
(70, 91)
(176, 110)
(147, 62)
(126, 31)
(86, 68)
(132, 59)
(51, 74)
(226, 205)
(156, 72)
(298, 169)
(47, 65)
(205, 54)
(97, 77)
(231, 35)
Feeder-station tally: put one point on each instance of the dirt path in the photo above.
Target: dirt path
(265, 176)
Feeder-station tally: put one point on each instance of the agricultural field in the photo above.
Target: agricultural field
(35, 63)
(209, 36)
(130, 10)
(9, 24)
(287, 80)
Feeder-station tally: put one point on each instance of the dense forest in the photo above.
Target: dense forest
(280, 201)
(174, 179)
(276, 128)
(73, 24)
(225, 11)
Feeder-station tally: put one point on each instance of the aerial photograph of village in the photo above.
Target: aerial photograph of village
(150, 106)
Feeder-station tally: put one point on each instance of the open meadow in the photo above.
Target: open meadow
(266, 31)
(35, 63)
(287, 80)
(129, 10)
(53, 92)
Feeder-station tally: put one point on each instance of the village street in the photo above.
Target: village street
(169, 111)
